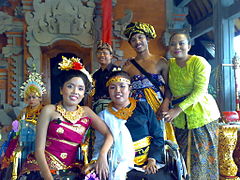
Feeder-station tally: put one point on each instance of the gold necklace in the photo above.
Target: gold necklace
(32, 114)
(123, 113)
(71, 116)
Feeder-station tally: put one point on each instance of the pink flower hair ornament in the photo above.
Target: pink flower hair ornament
(74, 64)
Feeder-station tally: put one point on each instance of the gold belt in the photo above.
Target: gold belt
(142, 147)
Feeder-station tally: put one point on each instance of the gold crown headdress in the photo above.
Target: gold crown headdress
(74, 64)
(33, 85)
(118, 79)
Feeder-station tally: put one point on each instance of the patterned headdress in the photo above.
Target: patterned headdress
(33, 85)
(138, 27)
(74, 64)
(103, 45)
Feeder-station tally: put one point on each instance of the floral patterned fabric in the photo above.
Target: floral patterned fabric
(144, 90)
(63, 140)
(204, 143)
(140, 82)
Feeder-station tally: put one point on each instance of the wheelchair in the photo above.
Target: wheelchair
(175, 162)
(174, 167)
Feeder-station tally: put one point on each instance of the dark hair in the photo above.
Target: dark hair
(119, 73)
(129, 40)
(67, 75)
(181, 32)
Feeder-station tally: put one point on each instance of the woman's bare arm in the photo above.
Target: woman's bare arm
(100, 126)
(42, 128)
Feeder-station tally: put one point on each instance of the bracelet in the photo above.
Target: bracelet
(92, 161)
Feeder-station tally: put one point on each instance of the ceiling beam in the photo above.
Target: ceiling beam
(206, 25)
(233, 11)
(202, 27)
(183, 3)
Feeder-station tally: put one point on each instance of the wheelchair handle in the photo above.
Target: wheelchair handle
(172, 145)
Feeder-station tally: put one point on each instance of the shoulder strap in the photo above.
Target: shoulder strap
(153, 81)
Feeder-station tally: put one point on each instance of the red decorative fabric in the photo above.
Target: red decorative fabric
(63, 140)
(107, 21)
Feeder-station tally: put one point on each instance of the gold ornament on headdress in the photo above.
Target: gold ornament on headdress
(118, 79)
(73, 64)
(104, 45)
(116, 69)
(138, 27)
(33, 85)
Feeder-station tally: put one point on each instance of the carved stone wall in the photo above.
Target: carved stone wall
(12, 58)
(55, 20)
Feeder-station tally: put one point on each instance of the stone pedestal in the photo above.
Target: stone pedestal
(227, 143)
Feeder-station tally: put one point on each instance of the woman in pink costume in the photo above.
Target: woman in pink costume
(62, 127)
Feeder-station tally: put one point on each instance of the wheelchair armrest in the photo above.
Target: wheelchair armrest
(172, 145)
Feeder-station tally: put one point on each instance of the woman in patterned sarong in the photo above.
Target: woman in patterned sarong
(195, 112)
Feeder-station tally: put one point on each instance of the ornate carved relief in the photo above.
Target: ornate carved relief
(54, 20)
(12, 50)
(18, 69)
(18, 12)
(119, 27)
(6, 22)
(120, 24)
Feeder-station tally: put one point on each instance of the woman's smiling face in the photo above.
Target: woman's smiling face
(73, 91)
(119, 93)
(179, 46)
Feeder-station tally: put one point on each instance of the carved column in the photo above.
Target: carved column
(223, 38)
(13, 54)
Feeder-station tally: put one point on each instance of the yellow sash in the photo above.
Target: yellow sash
(152, 99)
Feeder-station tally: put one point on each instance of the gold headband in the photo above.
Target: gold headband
(118, 79)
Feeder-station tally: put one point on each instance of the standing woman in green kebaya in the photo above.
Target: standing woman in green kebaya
(195, 112)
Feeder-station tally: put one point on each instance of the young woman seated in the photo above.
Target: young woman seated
(138, 150)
